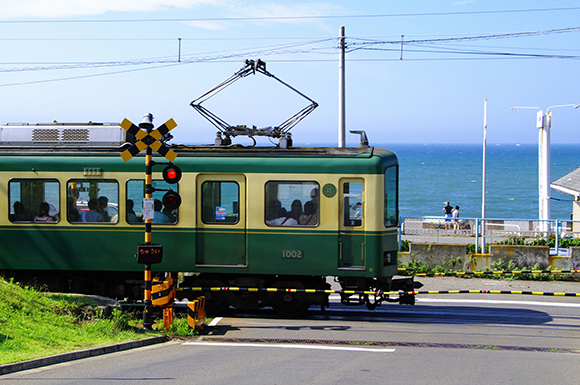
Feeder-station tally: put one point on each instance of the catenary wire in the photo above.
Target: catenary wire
(304, 17)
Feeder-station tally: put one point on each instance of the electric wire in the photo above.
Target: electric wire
(432, 45)
(186, 59)
(303, 17)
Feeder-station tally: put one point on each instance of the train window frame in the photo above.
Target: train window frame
(214, 209)
(270, 205)
(353, 213)
(31, 216)
(158, 195)
(114, 219)
(391, 216)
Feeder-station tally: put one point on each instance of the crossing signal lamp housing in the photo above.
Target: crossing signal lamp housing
(172, 174)
(171, 200)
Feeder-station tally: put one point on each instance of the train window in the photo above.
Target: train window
(92, 201)
(292, 204)
(220, 202)
(353, 203)
(134, 204)
(34, 200)
(391, 196)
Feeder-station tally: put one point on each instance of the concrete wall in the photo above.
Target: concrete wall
(438, 254)
(521, 256)
(434, 254)
(574, 258)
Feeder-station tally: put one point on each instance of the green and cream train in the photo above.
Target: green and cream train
(71, 217)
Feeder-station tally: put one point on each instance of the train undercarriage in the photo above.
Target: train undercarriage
(128, 286)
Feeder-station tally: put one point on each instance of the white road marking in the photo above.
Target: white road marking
(293, 346)
(215, 321)
(502, 302)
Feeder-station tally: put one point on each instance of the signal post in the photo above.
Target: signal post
(148, 140)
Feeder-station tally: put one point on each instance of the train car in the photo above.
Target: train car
(260, 217)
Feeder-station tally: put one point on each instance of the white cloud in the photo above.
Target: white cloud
(58, 9)
(210, 25)
(463, 2)
(265, 9)
(11, 9)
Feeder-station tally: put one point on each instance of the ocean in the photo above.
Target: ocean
(431, 174)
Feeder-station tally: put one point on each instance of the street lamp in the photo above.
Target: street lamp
(544, 123)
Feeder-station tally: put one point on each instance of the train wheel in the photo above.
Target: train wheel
(289, 304)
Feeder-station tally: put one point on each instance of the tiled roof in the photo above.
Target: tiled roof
(569, 183)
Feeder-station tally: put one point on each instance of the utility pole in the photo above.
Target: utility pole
(341, 91)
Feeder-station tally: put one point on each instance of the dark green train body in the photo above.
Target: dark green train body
(250, 217)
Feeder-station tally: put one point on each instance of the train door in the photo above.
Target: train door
(351, 224)
(221, 220)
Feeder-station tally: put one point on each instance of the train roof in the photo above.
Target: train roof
(65, 146)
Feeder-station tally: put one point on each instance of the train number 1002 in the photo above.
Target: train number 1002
(292, 254)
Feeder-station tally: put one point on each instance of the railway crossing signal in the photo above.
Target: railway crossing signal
(171, 200)
(172, 174)
(149, 140)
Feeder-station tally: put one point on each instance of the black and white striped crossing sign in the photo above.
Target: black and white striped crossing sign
(151, 139)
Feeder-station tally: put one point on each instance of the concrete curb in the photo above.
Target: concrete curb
(65, 357)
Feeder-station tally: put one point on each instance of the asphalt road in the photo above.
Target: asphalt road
(444, 339)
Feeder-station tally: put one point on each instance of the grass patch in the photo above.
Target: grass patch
(179, 327)
(34, 324)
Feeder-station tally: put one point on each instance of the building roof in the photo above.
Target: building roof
(569, 184)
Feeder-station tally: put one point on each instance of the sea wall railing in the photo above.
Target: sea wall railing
(485, 230)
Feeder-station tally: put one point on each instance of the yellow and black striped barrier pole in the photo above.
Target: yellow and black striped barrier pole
(376, 293)
(147, 316)
(494, 272)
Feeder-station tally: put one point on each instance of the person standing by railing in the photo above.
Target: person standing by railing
(455, 219)
(447, 210)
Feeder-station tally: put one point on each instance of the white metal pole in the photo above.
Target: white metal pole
(540, 125)
(483, 183)
(341, 91)
(544, 168)
(543, 182)
(544, 124)
(547, 160)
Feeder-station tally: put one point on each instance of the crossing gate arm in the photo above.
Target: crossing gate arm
(379, 293)
(498, 272)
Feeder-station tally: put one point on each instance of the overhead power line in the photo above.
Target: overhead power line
(304, 17)
(291, 48)
(478, 52)
(465, 38)
(437, 46)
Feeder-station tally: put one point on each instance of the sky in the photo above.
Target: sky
(416, 71)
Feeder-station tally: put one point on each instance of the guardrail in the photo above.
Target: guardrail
(481, 229)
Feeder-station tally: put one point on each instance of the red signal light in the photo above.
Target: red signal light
(171, 200)
(172, 174)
